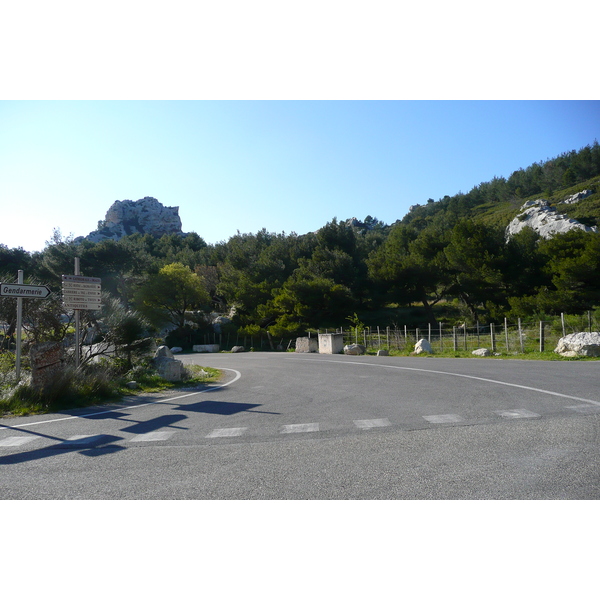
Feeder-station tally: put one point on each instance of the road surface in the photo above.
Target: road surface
(309, 426)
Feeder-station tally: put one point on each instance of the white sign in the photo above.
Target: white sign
(81, 293)
(21, 290)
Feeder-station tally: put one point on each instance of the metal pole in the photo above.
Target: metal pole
(506, 333)
(77, 356)
(541, 336)
(19, 323)
(493, 337)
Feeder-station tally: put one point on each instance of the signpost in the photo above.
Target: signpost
(80, 293)
(19, 291)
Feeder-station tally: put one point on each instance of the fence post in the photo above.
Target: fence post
(477, 325)
(521, 337)
(493, 337)
(465, 336)
(417, 334)
(541, 336)
(387, 335)
(441, 339)
(378, 338)
(590, 320)
(562, 320)
(454, 338)
(405, 337)
(506, 333)
(429, 334)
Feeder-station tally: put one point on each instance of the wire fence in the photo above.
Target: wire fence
(506, 337)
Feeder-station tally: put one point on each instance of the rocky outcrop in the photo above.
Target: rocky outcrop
(579, 344)
(577, 197)
(126, 217)
(544, 219)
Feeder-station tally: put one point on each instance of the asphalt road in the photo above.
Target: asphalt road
(308, 426)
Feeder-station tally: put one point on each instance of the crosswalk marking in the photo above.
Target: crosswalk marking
(370, 423)
(516, 413)
(152, 436)
(443, 418)
(300, 428)
(228, 432)
(17, 440)
(83, 439)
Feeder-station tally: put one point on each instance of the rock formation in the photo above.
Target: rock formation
(126, 217)
(544, 219)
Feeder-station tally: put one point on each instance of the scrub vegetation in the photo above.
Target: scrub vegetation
(447, 260)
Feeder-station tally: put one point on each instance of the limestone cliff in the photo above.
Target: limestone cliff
(126, 217)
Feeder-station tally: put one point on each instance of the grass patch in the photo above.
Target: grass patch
(90, 385)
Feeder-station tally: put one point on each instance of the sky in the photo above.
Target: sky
(283, 165)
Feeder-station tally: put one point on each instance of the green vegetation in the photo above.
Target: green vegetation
(446, 261)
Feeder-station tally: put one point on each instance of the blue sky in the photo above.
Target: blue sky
(282, 165)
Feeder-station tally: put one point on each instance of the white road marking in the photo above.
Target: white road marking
(17, 440)
(444, 418)
(117, 407)
(228, 432)
(300, 428)
(369, 423)
(516, 413)
(83, 439)
(152, 436)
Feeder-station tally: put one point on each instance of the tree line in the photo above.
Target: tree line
(439, 257)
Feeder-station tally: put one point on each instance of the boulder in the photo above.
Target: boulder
(354, 349)
(46, 361)
(423, 346)
(579, 344)
(168, 367)
(382, 353)
(176, 349)
(238, 349)
(163, 352)
(481, 352)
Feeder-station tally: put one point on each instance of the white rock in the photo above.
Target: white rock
(579, 344)
(481, 352)
(577, 197)
(176, 349)
(423, 346)
(543, 218)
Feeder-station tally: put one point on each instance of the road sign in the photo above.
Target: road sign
(81, 279)
(81, 293)
(21, 290)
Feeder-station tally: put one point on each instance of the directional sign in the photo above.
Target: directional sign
(21, 290)
(80, 279)
(81, 293)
